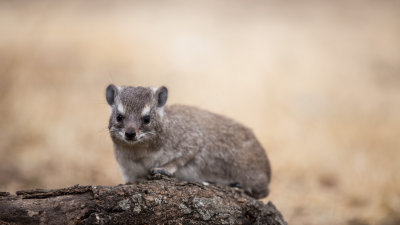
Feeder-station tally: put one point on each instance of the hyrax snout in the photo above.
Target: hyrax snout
(186, 142)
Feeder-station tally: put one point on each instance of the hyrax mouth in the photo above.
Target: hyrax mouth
(130, 140)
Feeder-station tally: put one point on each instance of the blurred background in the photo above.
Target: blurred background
(317, 81)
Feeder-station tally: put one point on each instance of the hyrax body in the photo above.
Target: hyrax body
(187, 142)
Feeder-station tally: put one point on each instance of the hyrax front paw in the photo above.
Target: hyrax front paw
(235, 185)
(162, 171)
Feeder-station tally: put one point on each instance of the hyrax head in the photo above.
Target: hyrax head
(136, 113)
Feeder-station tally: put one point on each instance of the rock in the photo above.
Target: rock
(158, 200)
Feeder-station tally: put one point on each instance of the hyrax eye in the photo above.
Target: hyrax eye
(146, 119)
(119, 117)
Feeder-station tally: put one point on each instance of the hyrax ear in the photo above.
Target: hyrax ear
(111, 92)
(162, 96)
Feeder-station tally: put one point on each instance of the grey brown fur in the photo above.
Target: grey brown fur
(186, 142)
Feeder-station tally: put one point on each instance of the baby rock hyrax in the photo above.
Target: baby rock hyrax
(186, 142)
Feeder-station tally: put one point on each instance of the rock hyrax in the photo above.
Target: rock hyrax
(186, 142)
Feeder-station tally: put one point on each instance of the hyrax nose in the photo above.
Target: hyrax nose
(130, 134)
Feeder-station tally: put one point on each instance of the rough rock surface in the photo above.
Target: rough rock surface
(158, 200)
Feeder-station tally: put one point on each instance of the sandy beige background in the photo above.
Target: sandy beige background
(317, 81)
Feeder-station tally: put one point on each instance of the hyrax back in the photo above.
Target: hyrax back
(187, 142)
